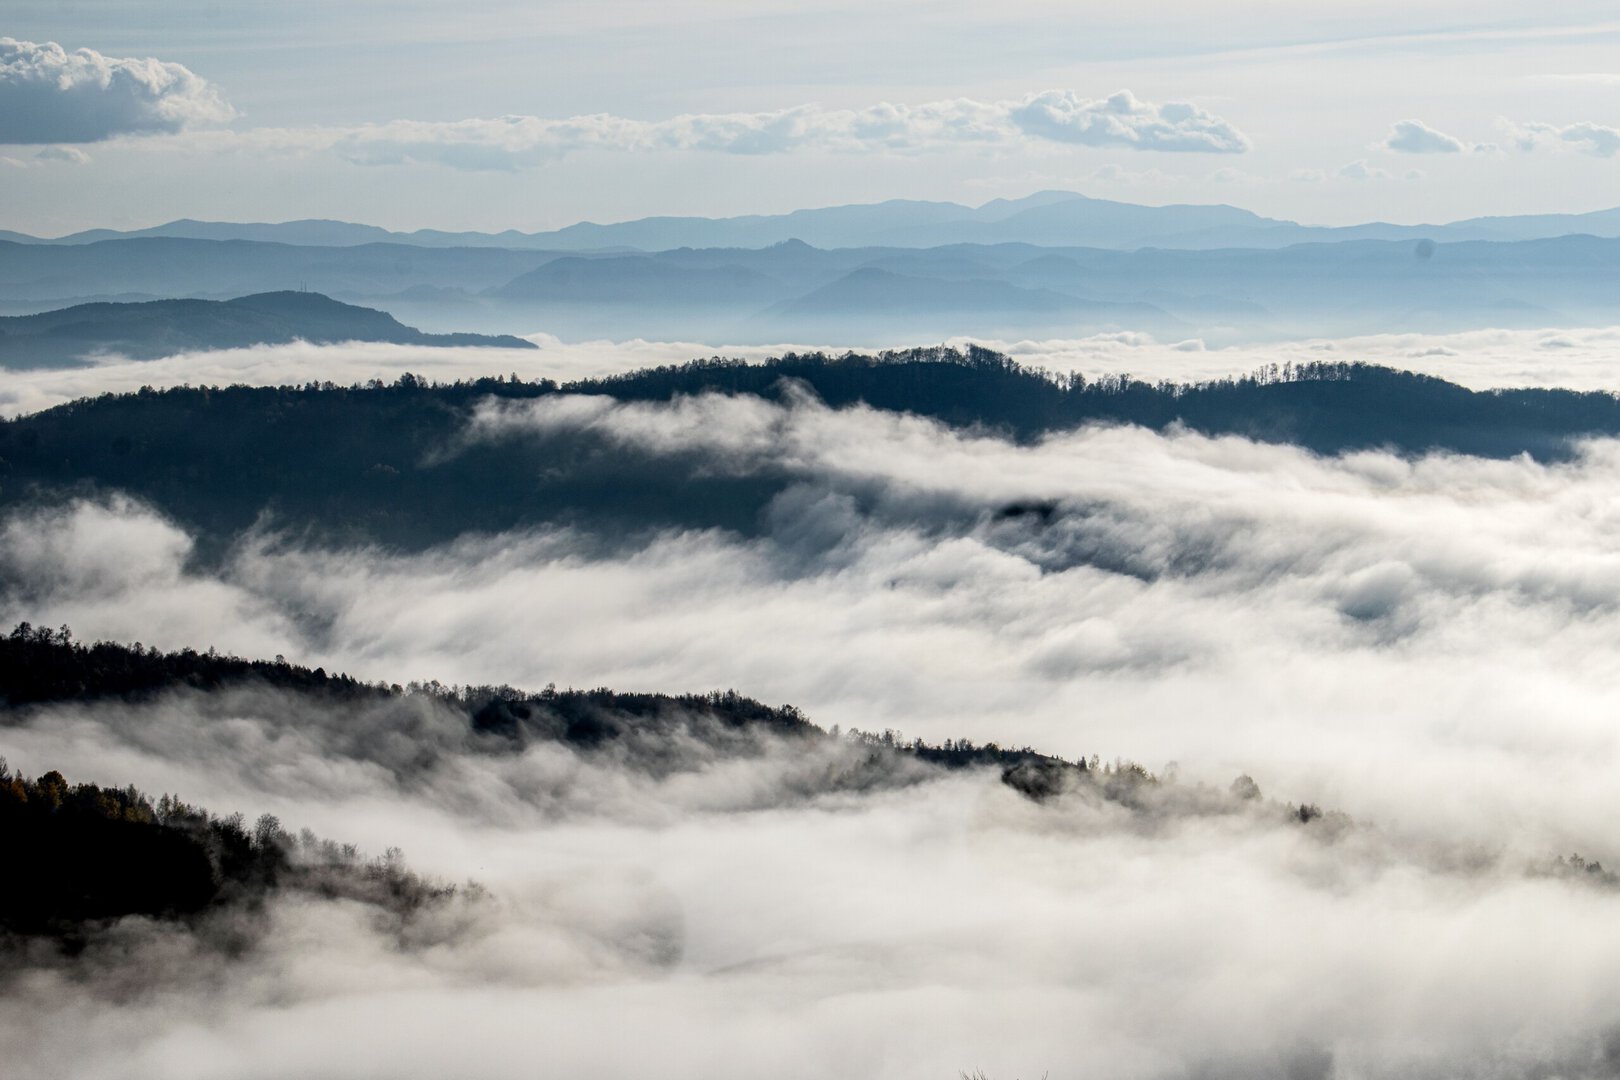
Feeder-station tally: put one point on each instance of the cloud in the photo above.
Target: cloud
(1123, 120)
(889, 590)
(49, 155)
(1416, 137)
(1115, 173)
(1059, 117)
(1481, 360)
(69, 155)
(1425, 644)
(1360, 170)
(1230, 175)
(49, 95)
(1586, 137)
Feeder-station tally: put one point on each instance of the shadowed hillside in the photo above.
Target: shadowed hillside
(162, 327)
(392, 463)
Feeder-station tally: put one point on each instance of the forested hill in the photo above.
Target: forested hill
(388, 463)
(83, 856)
(1326, 407)
(155, 328)
(645, 730)
(42, 666)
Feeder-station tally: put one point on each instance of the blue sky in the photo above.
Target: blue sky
(534, 115)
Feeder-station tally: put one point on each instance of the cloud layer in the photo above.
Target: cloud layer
(1062, 117)
(49, 95)
(1580, 359)
(1227, 605)
(1424, 644)
(1586, 137)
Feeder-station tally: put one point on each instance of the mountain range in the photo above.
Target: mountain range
(795, 292)
(1051, 265)
(1054, 218)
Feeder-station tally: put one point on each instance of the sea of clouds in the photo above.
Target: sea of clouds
(1579, 359)
(1426, 645)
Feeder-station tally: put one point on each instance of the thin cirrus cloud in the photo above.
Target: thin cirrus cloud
(50, 95)
(1063, 117)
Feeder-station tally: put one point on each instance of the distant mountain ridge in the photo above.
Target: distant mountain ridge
(1048, 218)
(793, 291)
(163, 327)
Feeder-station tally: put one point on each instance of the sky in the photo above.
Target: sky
(534, 116)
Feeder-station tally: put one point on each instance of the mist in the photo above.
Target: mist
(1423, 645)
(1577, 359)
(635, 926)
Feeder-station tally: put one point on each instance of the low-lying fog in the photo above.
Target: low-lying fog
(1578, 359)
(1428, 646)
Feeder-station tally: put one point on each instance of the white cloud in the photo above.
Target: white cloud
(1059, 117)
(49, 155)
(68, 155)
(1115, 173)
(1426, 644)
(1587, 137)
(1122, 120)
(1416, 137)
(1230, 175)
(1479, 359)
(1360, 170)
(49, 95)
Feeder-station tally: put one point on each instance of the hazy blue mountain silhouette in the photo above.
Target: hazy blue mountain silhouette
(778, 292)
(1057, 218)
(159, 267)
(163, 327)
(638, 279)
(884, 300)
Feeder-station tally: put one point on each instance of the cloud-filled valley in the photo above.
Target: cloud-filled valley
(1577, 359)
(1417, 644)
(901, 541)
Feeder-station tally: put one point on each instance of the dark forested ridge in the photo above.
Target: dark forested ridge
(81, 856)
(1325, 407)
(162, 327)
(40, 666)
(654, 733)
(388, 463)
